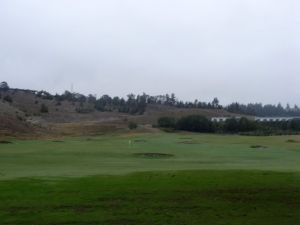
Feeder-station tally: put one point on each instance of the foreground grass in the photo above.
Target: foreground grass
(156, 198)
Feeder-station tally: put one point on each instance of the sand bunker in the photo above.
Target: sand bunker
(153, 155)
(186, 142)
(258, 146)
(292, 141)
(140, 141)
(5, 142)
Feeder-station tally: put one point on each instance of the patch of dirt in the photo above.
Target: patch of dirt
(153, 155)
(258, 146)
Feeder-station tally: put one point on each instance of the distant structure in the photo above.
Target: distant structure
(274, 119)
(223, 119)
(256, 118)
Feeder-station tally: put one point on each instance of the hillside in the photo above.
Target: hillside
(20, 113)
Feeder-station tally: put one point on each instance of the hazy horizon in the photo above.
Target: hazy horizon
(245, 51)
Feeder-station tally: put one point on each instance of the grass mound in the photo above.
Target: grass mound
(153, 155)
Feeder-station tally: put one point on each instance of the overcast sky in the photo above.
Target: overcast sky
(237, 50)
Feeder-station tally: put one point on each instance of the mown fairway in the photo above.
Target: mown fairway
(151, 179)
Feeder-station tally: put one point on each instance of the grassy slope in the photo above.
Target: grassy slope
(246, 195)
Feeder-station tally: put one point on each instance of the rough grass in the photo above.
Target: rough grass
(156, 198)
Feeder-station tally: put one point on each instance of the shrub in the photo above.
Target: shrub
(4, 86)
(7, 98)
(44, 95)
(132, 125)
(44, 109)
(195, 123)
(231, 125)
(83, 110)
(294, 125)
(166, 122)
(246, 125)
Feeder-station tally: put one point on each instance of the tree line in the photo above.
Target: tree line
(132, 104)
(136, 104)
(197, 123)
(259, 109)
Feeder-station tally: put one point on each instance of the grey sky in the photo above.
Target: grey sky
(238, 50)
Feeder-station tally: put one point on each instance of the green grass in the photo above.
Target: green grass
(157, 198)
(114, 155)
(210, 179)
